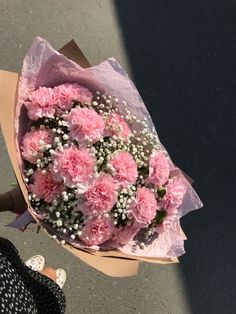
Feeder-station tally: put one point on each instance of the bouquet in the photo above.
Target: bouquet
(97, 176)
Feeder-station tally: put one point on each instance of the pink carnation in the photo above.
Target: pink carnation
(124, 168)
(159, 169)
(169, 220)
(125, 234)
(115, 125)
(42, 103)
(144, 207)
(45, 187)
(33, 144)
(97, 230)
(100, 197)
(85, 124)
(66, 93)
(176, 190)
(73, 166)
(171, 201)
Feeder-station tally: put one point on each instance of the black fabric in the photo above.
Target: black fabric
(23, 290)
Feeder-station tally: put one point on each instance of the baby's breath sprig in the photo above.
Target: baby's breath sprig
(105, 147)
(104, 104)
(158, 220)
(120, 212)
(36, 202)
(61, 213)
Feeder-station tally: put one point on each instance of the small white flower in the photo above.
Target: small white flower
(59, 223)
(65, 137)
(75, 226)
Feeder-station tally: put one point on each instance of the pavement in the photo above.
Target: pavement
(181, 56)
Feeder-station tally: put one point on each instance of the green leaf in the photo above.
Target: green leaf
(161, 191)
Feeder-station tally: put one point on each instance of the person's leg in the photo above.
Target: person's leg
(58, 275)
(49, 272)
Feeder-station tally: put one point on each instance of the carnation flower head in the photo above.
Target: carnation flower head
(159, 168)
(73, 166)
(175, 191)
(125, 234)
(144, 207)
(100, 197)
(66, 93)
(85, 125)
(45, 187)
(33, 144)
(41, 103)
(97, 230)
(167, 223)
(115, 125)
(124, 168)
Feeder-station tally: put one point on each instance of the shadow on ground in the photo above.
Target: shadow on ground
(182, 57)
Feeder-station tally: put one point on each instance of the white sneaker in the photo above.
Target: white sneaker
(60, 277)
(36, 263)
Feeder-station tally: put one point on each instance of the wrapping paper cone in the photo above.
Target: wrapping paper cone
(112, 263)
